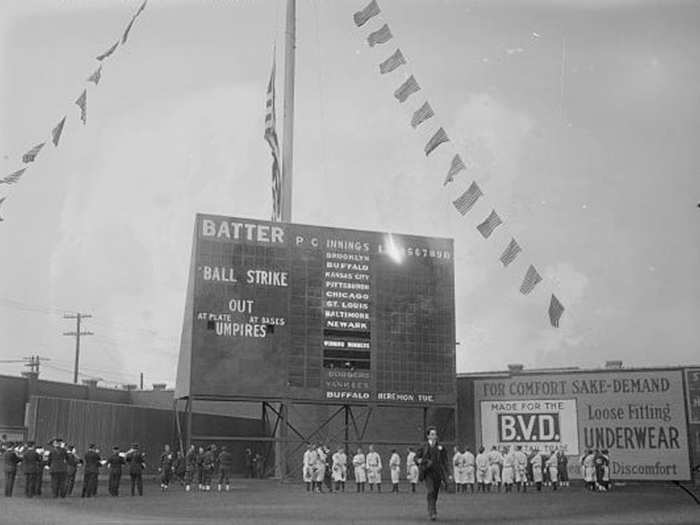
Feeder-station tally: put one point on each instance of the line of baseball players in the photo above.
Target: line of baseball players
(506, 468)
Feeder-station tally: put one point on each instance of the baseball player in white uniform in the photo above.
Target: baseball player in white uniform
(395, 470)
(374, 469)
(359, 464)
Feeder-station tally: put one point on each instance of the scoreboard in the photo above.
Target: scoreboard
(308, 313)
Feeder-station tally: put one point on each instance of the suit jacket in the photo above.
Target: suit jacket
(31, 461)
(92, 462)
(136, 462)
(432, 461)
(115, 462)
(11, 460)
(57, 460)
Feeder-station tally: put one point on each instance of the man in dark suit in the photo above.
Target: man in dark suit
(11, 459)
(58, 468)
(114, 463)
(137, 462)
(72, 462)
(91, 461)
(31, 464)
(431, 459)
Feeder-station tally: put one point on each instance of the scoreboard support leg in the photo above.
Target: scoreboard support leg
(346, 443)
(282, 443)
(188, 422)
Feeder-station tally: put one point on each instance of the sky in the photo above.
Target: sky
(578, 119)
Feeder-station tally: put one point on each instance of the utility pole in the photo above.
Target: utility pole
(288, 118)
(33, 363)
(78, 317)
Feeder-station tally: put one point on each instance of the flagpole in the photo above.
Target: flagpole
(288, 125)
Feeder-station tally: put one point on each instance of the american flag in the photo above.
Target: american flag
(31, 155)
(456, 166)
(422, 114)
(491, 223)
(56, 132)
(271, 138)
(511, 252)
(13, 177)
(363, 16)
(391, 63)
(95, 77)
(555, 311)
(82, 104)
(406, 89)
(530, 281)
(468, 199)
(380, 36)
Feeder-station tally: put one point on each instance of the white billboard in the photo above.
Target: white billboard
(639, 416)
(545, 424)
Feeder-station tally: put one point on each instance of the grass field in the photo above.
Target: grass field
(266, 501)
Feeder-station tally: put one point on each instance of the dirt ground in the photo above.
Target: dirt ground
(267, 501)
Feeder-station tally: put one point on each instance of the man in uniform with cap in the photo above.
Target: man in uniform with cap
(114, 463)
(166, 467)
(136, 462)
(92, 469)
(11, 459)
(31, 462)
(72, 462)
(225, 467)
(58, 468)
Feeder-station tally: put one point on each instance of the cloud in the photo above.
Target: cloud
(493, 137)
(126, 225)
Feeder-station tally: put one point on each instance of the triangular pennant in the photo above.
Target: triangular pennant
(456, 166)
(108, 52)
(391, 63)
(82, 104)
(422, 114)
(362, 16)
(438, 138)
(56, 132)
(555, 311)
(95, 77)
(32, 154)
(530, 281)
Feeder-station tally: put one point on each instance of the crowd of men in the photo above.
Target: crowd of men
(503, 469)
(63, 462)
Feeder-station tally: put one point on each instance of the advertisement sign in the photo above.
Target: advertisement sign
(692, 382)
(545, 424)
(638, 416)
